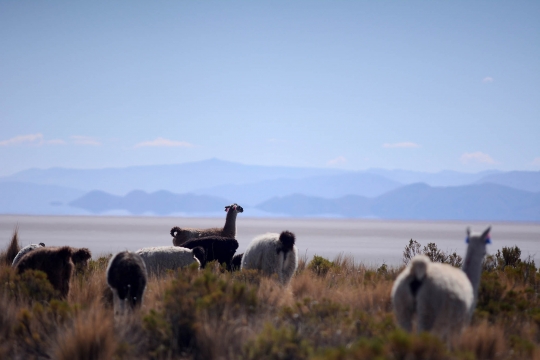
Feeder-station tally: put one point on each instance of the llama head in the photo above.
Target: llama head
(485, 238)
(235, 207)
(80, 258)
(479, 241)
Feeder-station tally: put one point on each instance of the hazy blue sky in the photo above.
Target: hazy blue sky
(417, 85)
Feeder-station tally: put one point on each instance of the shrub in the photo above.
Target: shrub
(411, 250)
(158, 335)
(31, 285)
(396, 344)
(320, 266)
(7, 322)
(191, 296)
(509, 256)
(433, 252)
(277, 343)
(36, 327)
(383, 269)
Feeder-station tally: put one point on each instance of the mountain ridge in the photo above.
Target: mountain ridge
(416, 201)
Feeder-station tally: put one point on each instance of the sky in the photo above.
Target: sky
(414, 85)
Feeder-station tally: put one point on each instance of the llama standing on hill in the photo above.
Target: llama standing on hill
(441, 297)
(181, 235)
(159, 259)
(25, 250)
(273, 253)
(127, 278)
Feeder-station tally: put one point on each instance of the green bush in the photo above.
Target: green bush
(497, 301)
(283, 343)
(433, 252)
(158, 335)
(36, 327)
(191, 296)
(31, 285)
(396, 344)
(320, 265)
(509, 256)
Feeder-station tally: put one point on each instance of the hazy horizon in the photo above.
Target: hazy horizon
(249, 164)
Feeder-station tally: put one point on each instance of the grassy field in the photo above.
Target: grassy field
(331, 310)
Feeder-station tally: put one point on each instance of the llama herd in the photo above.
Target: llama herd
(438, 297)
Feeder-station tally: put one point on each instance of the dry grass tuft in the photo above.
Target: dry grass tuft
(89, 336)
(483, 340)
(12, 250)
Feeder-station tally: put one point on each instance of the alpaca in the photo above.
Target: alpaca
(127, 278)
(158, 259)
(24, 251)
(180, 236)
(217, 248)
(236, 263)
(80, 259)
(273, 254)
(55, 262)
(441, 297)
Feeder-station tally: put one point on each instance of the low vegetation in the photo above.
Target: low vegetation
(331, 310)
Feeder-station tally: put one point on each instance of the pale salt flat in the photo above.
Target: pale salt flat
(371, 242)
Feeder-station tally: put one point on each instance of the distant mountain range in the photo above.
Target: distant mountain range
(205, 187)
(25, 198)
(181, 178)
(327, 186)
(139, 202)
(524, 180)
(421, 202)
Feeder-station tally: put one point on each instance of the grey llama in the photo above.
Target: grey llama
(441, 297)
(159, 259)
(272, 254)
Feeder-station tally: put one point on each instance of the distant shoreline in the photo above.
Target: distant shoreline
(370, 241)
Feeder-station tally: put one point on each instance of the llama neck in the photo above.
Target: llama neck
(230, 224)
(472, 267)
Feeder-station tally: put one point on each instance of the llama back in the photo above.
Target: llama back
(127, 278)
(182, 235)
(273, 253)
(161, 258)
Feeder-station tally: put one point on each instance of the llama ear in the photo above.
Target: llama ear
(467, 240)
(486, 236)
(468, 231)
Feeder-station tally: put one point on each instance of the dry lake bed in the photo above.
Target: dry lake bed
(371, 242)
